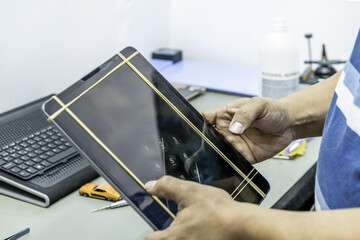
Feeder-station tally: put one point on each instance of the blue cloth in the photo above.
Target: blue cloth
(338, 170)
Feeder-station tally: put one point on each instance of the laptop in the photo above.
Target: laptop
(37, 164)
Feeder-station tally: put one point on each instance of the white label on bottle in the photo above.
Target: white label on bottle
(276, 86)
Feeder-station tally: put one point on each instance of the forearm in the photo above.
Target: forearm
(262, 223)
(308, 108)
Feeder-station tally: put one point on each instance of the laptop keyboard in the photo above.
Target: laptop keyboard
(35, 153)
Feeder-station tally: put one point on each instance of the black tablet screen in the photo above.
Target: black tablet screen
(150, 137)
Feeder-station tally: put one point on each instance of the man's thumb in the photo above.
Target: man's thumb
(247, 114)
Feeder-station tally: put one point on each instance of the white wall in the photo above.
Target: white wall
(47, 45)
(231, 30)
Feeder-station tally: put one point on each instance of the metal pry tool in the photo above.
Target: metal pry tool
(117, 204)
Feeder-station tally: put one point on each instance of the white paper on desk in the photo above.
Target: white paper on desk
(214, 76)
(160, 65)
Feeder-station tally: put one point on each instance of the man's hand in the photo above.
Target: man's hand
(204, 212)
(258, 128)
(208, 213)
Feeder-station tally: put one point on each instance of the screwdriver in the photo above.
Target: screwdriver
(117, 204)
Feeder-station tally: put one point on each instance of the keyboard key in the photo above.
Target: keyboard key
(10, 150)
(36, 159)
(7, 158)
(15, 170)
(38, 151)
(63, 147)
(22, 166)
(54, 137)
(48, 140)
(44, 156)
(24, 174)
(25, 158)
(2, 162)
(37, 133)
(56, 150)
(3, 153)
(17, 147)
(35, 146)
(58, 142)
(24, 144)
(9, 165)
(17, 161)
(45, 163)
(37, 138)
(31, 170)
(14, 155)
(29, 163)
(11, 144)
(38, 166)
(45, 148)
(51, 145)
(63, 139)
(29, 149)
(22, 152)
(50, 153)
(59, 157)
(43, 135)
(32, 155)
(31, 141)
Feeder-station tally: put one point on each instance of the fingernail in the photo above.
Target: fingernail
(149, 185)
(236, 128)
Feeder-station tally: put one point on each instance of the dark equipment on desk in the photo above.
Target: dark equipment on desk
(173, 55)
(325, 69)
(37, 164)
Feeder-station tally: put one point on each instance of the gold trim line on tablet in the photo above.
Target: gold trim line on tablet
(245, 186)
(54, 115)
(131, 174)
(241, 183)
(262, 194)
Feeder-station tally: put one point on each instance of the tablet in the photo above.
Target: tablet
(133, 126)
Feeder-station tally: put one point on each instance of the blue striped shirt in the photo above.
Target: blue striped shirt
(338, 170)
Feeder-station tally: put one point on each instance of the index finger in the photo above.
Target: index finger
(170, 188)
(212, 114)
